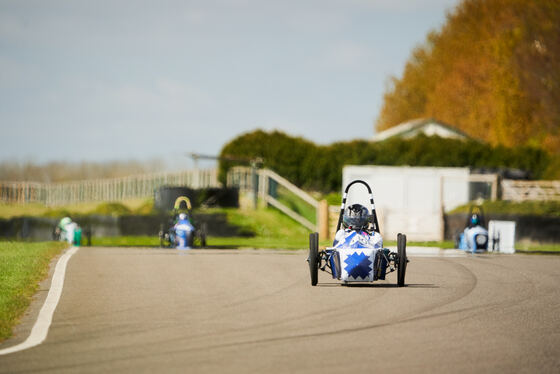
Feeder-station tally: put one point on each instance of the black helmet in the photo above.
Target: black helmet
(356, 217)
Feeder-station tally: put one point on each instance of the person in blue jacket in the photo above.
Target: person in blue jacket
(183, 230)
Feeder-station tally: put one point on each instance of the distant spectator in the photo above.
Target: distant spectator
(69, 231)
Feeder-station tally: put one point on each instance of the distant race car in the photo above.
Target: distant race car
(357, 254)
(180, 231)
(474, 237)
(68, 231)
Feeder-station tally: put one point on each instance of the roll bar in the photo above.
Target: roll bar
(343, 206)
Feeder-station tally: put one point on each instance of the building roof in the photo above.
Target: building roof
(426, 126)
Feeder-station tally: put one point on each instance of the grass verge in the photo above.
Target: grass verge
(289, 242)
(261, 228)
(531, 247)
(22, 267)
(447, 244)
(233, 242)
(538, 208)
(296, 204)
(137, 206)
(125, 241)
(266, 223)
(230, 242)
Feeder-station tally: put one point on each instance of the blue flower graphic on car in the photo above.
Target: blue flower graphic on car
(358, 265)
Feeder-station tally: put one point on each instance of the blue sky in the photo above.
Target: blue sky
(115, 80)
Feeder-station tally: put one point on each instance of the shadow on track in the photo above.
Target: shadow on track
(379, 285)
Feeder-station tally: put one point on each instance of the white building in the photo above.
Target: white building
(412, 200)
(428, 127)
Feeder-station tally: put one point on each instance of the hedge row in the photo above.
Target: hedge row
(319, 167)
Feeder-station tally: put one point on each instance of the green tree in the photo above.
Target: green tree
(319, 168)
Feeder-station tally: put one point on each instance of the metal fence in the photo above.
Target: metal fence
(115, 189)
(22, 192)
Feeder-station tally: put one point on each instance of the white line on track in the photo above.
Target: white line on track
(41, 327)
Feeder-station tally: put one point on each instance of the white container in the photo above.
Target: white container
(503, 233)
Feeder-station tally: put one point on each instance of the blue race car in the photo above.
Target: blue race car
(180, 231)
(357, 253)
(474, 237)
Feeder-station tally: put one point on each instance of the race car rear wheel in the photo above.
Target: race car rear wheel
(401, 265)
(203, 235)
(161, 237)
(313, 258)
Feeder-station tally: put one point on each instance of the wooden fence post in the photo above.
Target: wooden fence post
(323, 220)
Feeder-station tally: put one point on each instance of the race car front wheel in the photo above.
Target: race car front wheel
(313, 258)
(401, 265)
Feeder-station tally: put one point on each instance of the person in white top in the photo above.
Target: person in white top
(67, 229)
(476, 235)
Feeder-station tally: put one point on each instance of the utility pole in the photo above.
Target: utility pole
(254, 162)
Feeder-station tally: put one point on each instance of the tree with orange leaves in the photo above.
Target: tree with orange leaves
(493, 70)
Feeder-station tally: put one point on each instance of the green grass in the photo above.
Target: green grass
(261, 228)
(17, 210)
(265, 222)
(22, 267)
(125, 241)
(540, 208)
(296, 204)
(292, 242)
(333, 198)
(537, 247)
(135, 206)
(234, 242)
(447, 244)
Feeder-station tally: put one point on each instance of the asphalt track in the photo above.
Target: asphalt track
(211, 311)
